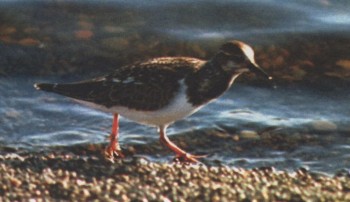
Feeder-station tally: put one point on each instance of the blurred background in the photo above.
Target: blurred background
(303, 44)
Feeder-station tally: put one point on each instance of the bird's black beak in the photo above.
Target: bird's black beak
(257, 70)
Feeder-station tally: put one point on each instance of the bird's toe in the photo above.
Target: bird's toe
(188, 158)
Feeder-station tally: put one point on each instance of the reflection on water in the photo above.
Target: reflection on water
(194, 19)
(35, 119)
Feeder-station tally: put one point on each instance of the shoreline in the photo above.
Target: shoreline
(66, 175)
(294, 149)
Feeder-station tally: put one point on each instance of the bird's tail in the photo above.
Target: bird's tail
(81, 90)
(44, 86)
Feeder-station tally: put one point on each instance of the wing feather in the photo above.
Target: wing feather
(143, 86)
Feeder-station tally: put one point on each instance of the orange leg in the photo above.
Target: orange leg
(181, 155)
(113, 149)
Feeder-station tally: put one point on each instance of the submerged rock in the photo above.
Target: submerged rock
(249, 134)
(324, 125)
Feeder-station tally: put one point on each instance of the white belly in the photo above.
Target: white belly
(165, 116)
(177, 109)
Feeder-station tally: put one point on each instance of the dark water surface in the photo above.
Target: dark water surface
(297, 113)
(293, 125)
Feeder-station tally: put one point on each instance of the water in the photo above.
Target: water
(45, 120)
(309, 123)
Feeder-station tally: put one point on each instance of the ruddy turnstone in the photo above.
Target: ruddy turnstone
(160, 91)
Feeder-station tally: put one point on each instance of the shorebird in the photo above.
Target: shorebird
(160, 91)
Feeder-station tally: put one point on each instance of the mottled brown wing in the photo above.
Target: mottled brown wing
(144, 86)
(143, 89)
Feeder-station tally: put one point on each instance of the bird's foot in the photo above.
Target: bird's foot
(113, 152)
(187, 158)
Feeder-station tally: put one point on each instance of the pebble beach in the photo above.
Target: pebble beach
(281, 141)
(63, 175)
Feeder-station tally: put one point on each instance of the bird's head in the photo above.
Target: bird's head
(237, 57)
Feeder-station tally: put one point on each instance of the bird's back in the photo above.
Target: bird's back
(148, 85)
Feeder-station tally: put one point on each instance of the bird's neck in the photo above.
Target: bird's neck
(208, 83)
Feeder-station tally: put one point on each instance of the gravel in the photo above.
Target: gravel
(65, 175)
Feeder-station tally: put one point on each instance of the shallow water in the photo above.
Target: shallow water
(45, 120)
(312, 122)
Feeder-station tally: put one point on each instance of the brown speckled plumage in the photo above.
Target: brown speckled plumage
(148, 85)
(152, 84)
(162, 90)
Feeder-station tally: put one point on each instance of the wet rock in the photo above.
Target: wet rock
(29, 42)
(7, 30)
(235, 138)
(345, 64)
(306, 64)
(83, 34)
(114, 29)
(298, 73)
(279, 61)
(249, 134)
(324, 125)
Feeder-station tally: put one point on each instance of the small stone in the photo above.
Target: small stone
(279, 61)
(15, 182)
(344, 64)
(305, 64)
(28, 42)
(37, 192)
(222, 135)
(249, 134)
(114, 29)
(324, 125)
(298, 73)
(85, 193)
(80, 182)
(131, 149)
(7, 30)
(7, 39)
(83, 34)
(235, 138)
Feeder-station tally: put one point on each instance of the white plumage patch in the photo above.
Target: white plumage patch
(177, 109)
(249, 52)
